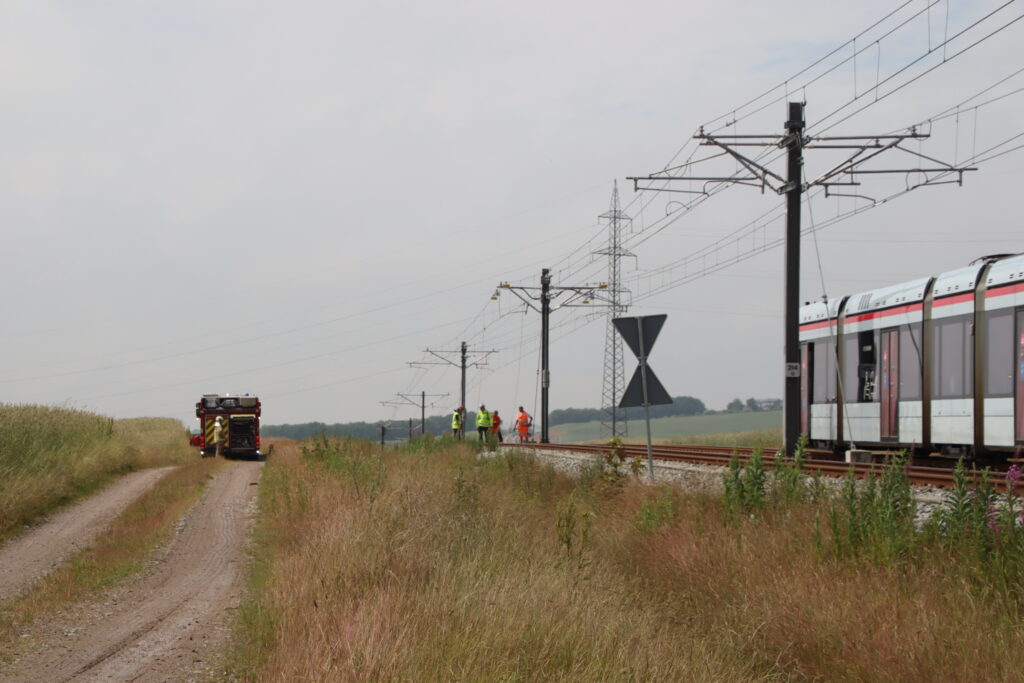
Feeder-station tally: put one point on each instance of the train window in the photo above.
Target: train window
(849, 383)
(833, 372)
(910, 362)
(953, 367)
(824, 388)
(999, 354)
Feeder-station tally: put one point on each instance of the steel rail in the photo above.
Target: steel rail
(821, 462)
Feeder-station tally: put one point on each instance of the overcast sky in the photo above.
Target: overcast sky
(296, 199)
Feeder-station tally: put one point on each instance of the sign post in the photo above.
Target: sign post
(644, 388)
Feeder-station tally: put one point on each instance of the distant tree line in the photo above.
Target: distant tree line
(753, 405)
(441, 424)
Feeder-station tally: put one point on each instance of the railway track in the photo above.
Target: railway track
(822, 462)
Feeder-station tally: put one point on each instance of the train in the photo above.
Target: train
(931, 367)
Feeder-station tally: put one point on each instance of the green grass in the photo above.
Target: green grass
(674, 427)
(50, 456)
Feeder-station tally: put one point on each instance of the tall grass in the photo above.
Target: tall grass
(52, 455)
(452, 567)
(457, 568)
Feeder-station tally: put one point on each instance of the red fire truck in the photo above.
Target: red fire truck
(240, 425)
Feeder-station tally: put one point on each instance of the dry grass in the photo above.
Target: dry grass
(761, 586)
(453, 568)
(50, 456)
(120, 550)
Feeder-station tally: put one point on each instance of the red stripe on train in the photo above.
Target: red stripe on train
(1007, 289)
(957, 299)
(873, 315)
(807, 327)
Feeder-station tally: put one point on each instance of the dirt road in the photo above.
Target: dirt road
(172, 620)
(33, 556)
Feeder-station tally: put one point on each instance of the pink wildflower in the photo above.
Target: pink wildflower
(1013, 476)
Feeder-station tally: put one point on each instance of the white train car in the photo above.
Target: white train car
(819, 391)
(951, 347)
(935, 365)
(882, 369)
(1001, 354)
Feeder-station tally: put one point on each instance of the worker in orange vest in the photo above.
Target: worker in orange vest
(496, 425)
(522, 423)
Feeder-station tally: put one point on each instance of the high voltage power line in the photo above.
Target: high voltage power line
(883, 31)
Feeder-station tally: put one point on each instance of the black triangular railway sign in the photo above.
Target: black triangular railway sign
(634, 396)
(628, 328)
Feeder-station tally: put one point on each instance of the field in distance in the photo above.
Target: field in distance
(669, 428)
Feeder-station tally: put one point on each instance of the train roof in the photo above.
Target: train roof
(886, 297)
(1006, 270)
(959, 281)
(817, 310)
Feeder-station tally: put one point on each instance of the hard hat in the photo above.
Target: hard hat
(482, 407)
(220, 419)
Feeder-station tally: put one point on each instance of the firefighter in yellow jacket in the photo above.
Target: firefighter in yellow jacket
(218, 435)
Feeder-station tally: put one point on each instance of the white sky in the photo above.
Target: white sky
(296, 199)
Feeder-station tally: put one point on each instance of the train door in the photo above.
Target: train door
(805, 389)
(890, 384)
(1019, 371)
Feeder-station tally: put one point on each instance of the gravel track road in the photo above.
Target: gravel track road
(174, 620)
(30, 557)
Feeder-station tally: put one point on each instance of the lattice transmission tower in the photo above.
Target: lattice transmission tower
(613, 418)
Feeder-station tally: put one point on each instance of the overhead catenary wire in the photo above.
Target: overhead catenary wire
(575, 267)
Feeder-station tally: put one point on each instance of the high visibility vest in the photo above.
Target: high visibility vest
(522, 420)
(218, 433)
(456, 420)
(495, 422)
(483, 419)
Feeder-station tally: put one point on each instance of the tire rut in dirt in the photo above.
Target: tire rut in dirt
(157, 630)
(29, 558)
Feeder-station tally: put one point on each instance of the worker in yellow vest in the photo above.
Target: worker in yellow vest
(483, 423)
(457, 418)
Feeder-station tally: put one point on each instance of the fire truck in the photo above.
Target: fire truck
(240, 420)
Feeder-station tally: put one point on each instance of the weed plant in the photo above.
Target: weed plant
(606, 474)
(535, 480)
(359, 463)
(659, 511)
(746, 488)
(875, 520)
